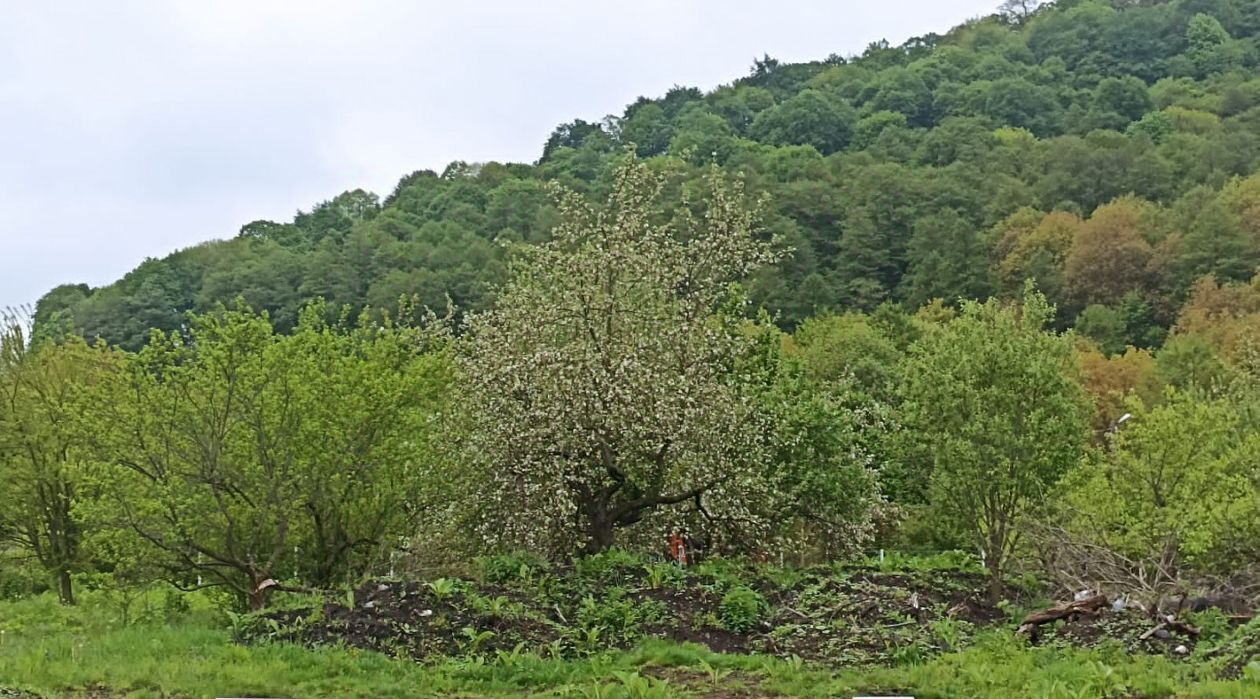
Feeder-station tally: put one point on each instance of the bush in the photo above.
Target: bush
(725, 573)
(1238, 652)
(664, 575)
(510, 567)
(609, 565)
(17, 581)
(944, 561)
(741, 609)
(614, 618)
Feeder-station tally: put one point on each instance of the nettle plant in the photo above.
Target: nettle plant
(603, 385)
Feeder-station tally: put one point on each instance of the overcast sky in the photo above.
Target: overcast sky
(131, 129)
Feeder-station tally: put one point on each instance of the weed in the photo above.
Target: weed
(663, 575)
(608, 566)
(715, 674)
(1213, 626)
(897, 561)
(618, 618)
(906, 651)
(948, 631)
(475, 639)
(651, 612)
(497, 606)
(510, 568)
(512, 657)
(637, 686)
(742, 609)
(443, 588)
(55, 651)
(723, 572)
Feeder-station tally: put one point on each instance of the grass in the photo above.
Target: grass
(53, 651)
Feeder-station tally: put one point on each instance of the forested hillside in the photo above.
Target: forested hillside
(1105, 148)
(986, 302)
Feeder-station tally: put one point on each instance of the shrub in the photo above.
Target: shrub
(660, 575)
(17, 581)
(614, 617)
(510, 567)
(741, 609)
(1235, 654)
(607, 565)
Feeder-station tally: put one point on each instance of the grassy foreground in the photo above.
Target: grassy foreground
(51, 651)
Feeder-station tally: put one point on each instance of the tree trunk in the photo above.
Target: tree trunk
(65, 587)
(995, 582)
(260, 588)
(599, 530)
(995, 557)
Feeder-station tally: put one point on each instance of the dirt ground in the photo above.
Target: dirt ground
(843, 617)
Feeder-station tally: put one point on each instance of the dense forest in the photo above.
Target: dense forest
(1102, 148)
(992, 291)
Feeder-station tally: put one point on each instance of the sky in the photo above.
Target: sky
(132, 129)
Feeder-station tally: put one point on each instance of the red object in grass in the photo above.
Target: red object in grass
(677, 549)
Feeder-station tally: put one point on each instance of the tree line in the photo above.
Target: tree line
(623, 386)
(953, 166)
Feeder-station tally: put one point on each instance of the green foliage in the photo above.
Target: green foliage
(831, 349)
(742, 609)
(1235, 654)
(507, 568)
(810, 118)
(1105, 326)
(1155, 126)
(59, 650)
(947, 560)
(885, 170)
(664, 575)
(243, 456)
(443, 588)
(18, 581)
(989, 399)
(45, 447)
(1209, 47)
(614, 619)
(1176, 480)
(826, 435)
(610, 386)
(608, 565)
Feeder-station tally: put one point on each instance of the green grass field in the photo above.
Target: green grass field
(51, 651)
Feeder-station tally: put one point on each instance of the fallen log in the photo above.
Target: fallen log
(1090, 606)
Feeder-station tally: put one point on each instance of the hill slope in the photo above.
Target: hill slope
(1105, 148)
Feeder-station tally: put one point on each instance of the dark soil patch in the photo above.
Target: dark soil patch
(853, 616)
(1125, 627)
(840, 616)
(410, 619)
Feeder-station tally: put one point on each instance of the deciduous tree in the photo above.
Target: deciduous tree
(242, 458)
(600, 383)
(43, 449)
(990, 398)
